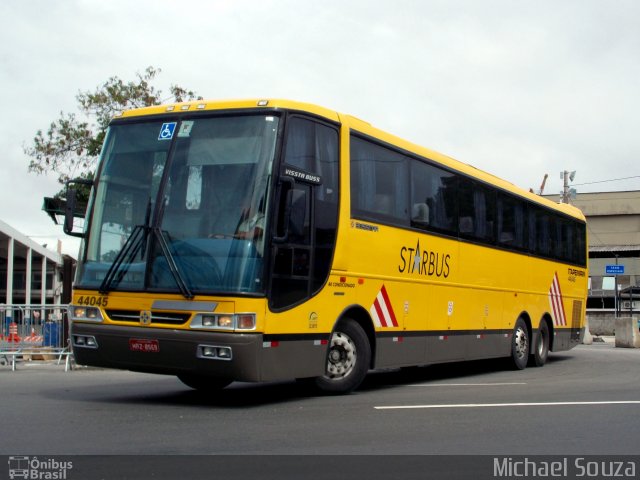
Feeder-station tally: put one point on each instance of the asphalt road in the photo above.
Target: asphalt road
(583, 402)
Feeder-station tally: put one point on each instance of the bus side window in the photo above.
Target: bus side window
(466, 211)
(433, 198)
(540, 234)
(511, 221)
(378, 179)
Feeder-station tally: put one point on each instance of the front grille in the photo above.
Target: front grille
(133, 316)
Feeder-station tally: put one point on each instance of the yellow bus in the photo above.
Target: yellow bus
(265, 240)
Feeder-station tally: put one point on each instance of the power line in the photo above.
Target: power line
(604, 181)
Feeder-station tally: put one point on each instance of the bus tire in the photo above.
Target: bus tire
(541, 349)
(520, 345)
(348, 359)
(203, 383)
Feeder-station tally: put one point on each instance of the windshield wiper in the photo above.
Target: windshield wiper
(173, 267)
(128, 251)
(137, 242)
(134, 244)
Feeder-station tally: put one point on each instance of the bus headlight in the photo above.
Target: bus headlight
(85, 314)
(224, 321)
(208, 321)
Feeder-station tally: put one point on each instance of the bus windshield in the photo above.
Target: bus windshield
(181, 205)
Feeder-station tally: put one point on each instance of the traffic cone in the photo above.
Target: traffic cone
(13, 333)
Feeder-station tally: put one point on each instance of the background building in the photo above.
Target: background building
(613, 226)
(35, 282)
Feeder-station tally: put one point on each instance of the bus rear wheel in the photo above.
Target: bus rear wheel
(203, 383)
(348, 359)
(520, 345)
(541, 348)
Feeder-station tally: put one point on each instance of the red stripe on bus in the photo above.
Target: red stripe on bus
(389, 307)
(383, 321)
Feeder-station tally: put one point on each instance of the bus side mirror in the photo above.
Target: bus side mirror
(71, 206)
(69, 209)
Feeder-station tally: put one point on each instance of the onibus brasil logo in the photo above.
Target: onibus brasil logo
(38, 469)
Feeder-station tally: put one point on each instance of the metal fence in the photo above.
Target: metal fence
(33, 332)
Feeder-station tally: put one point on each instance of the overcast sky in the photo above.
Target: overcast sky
(518, 88)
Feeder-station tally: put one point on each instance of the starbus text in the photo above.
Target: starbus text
(426, 263)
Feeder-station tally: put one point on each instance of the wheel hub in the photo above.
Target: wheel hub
(342, 356)
(335, 356)
(521, 343)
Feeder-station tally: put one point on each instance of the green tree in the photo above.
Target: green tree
(71, 145)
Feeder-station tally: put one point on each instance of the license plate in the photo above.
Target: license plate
(144, 345)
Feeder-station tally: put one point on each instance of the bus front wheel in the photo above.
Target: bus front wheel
(520, 345)
(348, 359)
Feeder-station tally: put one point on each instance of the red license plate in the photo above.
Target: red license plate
(144, 345)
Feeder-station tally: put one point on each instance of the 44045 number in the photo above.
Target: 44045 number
(90, 301)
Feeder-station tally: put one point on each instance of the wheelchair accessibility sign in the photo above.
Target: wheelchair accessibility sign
(166, 131)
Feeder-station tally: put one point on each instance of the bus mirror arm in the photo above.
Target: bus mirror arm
(71, 206)
(284, 209)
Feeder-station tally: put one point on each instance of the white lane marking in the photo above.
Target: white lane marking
(485, 405)
(464, 384)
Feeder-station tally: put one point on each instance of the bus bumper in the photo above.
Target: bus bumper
(167, 351)
(174, 352)
(567, 338)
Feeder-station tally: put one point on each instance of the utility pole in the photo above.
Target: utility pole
(617, 297)
(566, 177)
